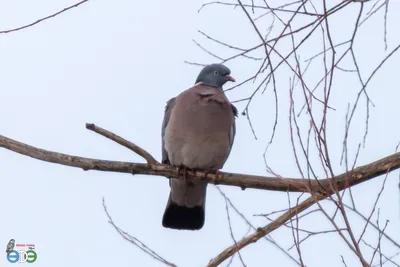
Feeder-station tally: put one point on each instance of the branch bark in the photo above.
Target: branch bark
(322, 186)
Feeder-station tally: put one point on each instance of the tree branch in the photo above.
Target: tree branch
(123, 142)
(263, 231)
(322, 186)
(43, 19)
(136, 241)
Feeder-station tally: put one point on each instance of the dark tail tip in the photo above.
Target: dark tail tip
(183, 218)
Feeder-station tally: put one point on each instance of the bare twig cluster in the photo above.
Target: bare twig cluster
(310, 101)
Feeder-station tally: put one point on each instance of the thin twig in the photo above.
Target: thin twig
(43, 19)
(123, 142)
(136, 241)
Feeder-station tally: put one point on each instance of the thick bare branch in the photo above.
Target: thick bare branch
(322, 186)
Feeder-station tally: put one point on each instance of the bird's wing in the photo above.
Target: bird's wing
(167, 115)
(233, 128)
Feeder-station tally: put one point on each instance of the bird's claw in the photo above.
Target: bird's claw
(185, 173)
(178, 171)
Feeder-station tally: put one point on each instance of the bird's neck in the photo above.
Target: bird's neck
(209, 84)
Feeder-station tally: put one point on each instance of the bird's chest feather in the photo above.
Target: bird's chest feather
(205, 113)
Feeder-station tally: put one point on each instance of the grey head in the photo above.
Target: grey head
(215, 74)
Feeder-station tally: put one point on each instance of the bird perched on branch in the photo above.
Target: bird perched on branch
(197, 134)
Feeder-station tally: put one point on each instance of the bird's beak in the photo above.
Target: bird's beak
(230, 78)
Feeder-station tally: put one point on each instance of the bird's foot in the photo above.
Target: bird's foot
(178, 171)
(194, 172)
(185, 172)
(181, 169)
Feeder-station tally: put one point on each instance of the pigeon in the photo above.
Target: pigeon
(197, 134)
(10, 246)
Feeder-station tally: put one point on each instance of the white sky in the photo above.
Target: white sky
(115, 64)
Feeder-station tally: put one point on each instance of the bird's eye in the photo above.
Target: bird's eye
(216, 72)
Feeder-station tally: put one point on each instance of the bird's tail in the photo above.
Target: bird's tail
(185, 207)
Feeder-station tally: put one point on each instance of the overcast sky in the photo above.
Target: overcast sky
(115, 64)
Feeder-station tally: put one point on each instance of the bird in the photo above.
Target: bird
(10, 246)
(197, 132)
